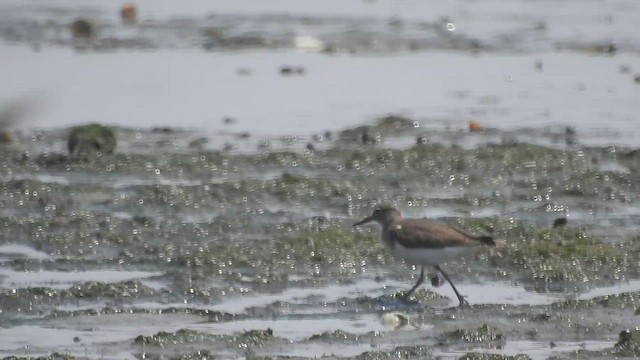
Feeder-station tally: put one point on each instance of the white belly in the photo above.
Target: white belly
(431, 257)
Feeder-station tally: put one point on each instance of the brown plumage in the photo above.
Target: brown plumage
(424, 233)
(424, 242)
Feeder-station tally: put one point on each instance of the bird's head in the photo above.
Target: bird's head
(383, 215)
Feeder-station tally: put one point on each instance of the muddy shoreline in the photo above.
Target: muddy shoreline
(243, 252)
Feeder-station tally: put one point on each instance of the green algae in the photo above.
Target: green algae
(567, 254)
(187, 336)
(335, 335)
(370, 134)
(612, 301)
(422, 296)
(400, 352)
(628, 344)
(482, 334)
(253, 337)
(197, 355)
(332, 247)
(206, 315)
(125, 289)
(53, 356)
(181, 336)
(487, 356)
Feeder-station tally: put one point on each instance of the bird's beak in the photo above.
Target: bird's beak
(364, 221)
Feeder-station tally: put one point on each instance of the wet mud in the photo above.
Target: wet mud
(160, 249)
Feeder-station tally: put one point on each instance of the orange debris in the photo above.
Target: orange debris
(129, 13)
(474, 126)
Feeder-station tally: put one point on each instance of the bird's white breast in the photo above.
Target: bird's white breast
(431, 256)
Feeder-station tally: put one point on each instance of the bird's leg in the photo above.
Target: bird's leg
(420, 280)
(460, 297)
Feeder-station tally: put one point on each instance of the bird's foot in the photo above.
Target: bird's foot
(463, 301)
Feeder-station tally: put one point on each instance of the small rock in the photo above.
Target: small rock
(82, 29)
(229, 120)
(286, 70)
(570, 136)
(436, 281)
(394, 320)
(625, 69)
(243, 135)
(539, 65)
(243, 71)
(636, 79)
(87, 141)
(560, 222)
(163, 130)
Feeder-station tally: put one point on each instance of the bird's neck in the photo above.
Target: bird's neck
(389, 222)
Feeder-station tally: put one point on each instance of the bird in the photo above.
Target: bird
(424, 242)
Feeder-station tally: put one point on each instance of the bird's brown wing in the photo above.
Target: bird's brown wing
(423, 233)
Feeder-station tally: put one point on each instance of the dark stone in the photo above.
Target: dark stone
(560, 222)
(243, 135)
(286, 70)
(163, 130)
(5, 138)
(570, 137)
(82, 29)
(88, 141)
(539, 65)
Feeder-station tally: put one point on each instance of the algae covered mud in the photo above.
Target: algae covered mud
(153, 243)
